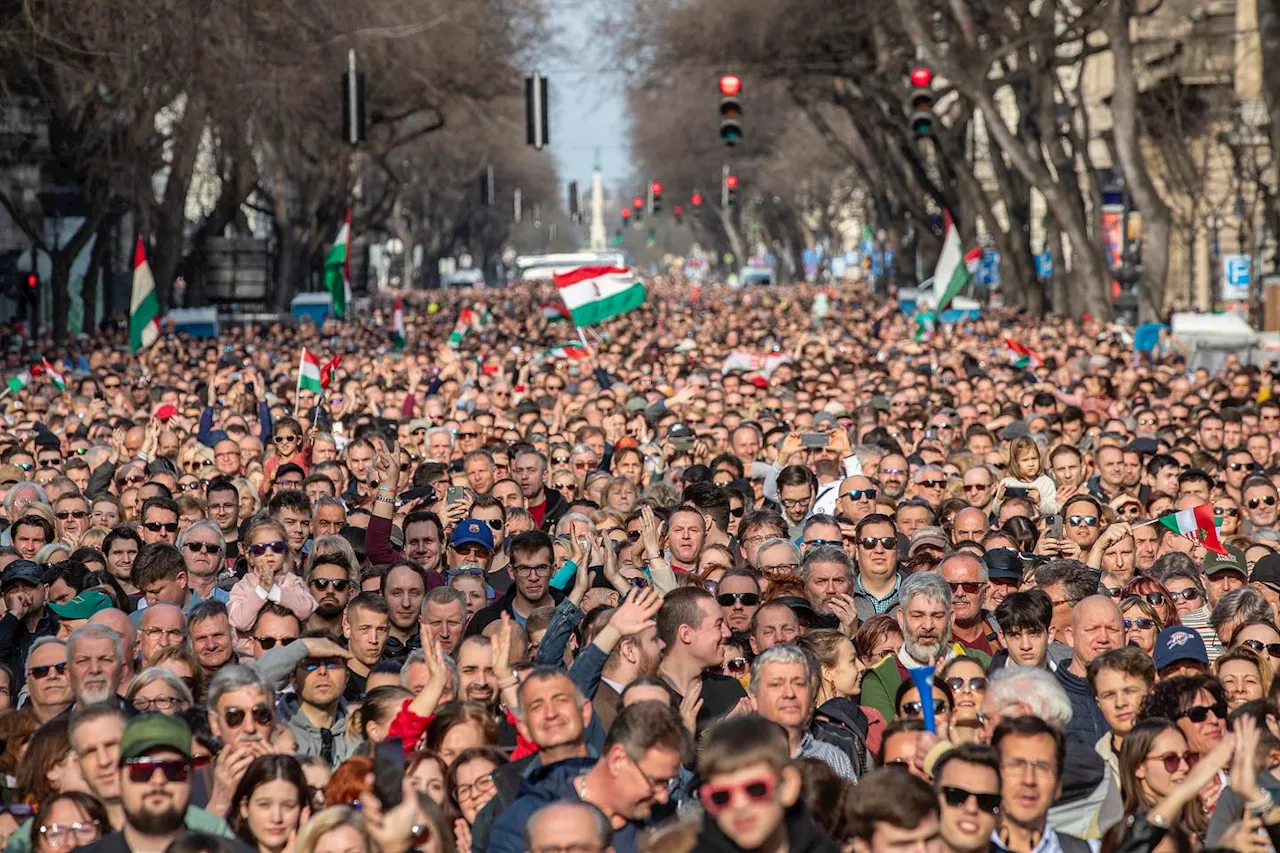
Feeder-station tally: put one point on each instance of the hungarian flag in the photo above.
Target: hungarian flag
(309, 372)
(144, 307)
(58, 378)
(20, 381)
(460, 329)
(594, 294)
(566, 351)
(1025, 355)
(327, 369)
(397, 325)
(951, 275)
(554, 312)
(1197, 524)
(337, 268)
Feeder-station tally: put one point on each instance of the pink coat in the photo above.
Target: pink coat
(247, 601)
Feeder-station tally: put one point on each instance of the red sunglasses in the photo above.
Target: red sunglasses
(717, 798)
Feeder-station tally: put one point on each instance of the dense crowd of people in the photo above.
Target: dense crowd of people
(676, 594)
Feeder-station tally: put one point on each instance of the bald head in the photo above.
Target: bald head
(1096, 626)
(118, 621)
(969, 525)
(573, 825)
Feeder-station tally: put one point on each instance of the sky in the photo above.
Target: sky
(587, 106)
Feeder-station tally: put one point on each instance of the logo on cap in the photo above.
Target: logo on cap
(1178, 639)
(473, 528)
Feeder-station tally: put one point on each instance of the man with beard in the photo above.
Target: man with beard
(154, 784)
(95, 659)
(635, 655)
(925, 620)
(209, 630)
(330, 583)
(797, 488)
(894, 472)
(477, 682)
(970, 625)
(827, 573)
(532, 561)
(365, 625)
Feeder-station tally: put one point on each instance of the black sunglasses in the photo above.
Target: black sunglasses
(746, 599)
(338, 584)
(41, 672)
(270, 642)
(261, 713)
(1200, 713)
(206, 547)
(157, 526)
(1272, 649)
(957, 797)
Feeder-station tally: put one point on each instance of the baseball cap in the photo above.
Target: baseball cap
(929, 537)
(1177, 643)
(680, 430)
(1232, 561)
(155, 731)
(419, 423)
(1003, 564)
(10, 474)
(1267, 571)
(21, 571)
(800, 606)
(472, 531)
(83, 605)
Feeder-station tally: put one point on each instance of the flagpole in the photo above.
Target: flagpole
(297, 389)
(582, 337)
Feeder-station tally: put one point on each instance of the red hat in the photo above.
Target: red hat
(165, 412)
(759, 381)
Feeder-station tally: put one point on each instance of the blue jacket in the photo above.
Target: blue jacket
(543, 786)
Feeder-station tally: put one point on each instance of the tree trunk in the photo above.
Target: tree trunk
(1269, 31)
(169, 216)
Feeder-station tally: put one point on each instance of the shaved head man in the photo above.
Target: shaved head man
(1096, 626)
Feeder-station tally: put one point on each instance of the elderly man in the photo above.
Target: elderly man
(925, 620)
(1096, 626)
(568, 825)
(48, 685)
(96, 661)
(827, 573)
(162, 625)
(970, 625)
(204, 550)
(782, 685)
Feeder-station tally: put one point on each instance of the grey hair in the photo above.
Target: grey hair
(328, 500)
(334, 545)
(44, 641)
(1239, 606)
(818, 518)
(154, 673)
(562, 526)
(541, 673)
(94, 631)
(203, 524)
(957, 556)
(929, 584)
(426, 439)
(443, 595)
(869, 453)
(583, 450)
(234, 677)
(12, 497)
(781, 653)
(1032, 687)
(419, 656)
(827, 554)
(604, 829)
(46, 552)
(773, 542)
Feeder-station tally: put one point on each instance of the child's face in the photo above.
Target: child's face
(749, 804)
(1029, 462)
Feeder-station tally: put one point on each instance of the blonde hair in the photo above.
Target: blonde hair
(1243, 653)
(1020, 445)
(327, 821)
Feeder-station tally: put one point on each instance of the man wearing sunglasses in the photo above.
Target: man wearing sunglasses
(315, 710)
(48, 683)
(159, 520)
(967, 779)
(1260, 503)
(470, 544)
(329, 580)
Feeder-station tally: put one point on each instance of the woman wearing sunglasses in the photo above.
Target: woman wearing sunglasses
(968, 682)
(1245, 675)
(69, 820)
(1262, 637)
(907, 706)
(265, 546)
(270, 804)
(1154, 593)
(1154, 759)
(1142, 623)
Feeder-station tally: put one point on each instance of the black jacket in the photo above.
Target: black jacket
(803, 835)
(842, 723)
(1087, 723)
(16, 642)
(557, 506)
(493, 611)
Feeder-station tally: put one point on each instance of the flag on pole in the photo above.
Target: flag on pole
(397, 325)
(144, 307)
(58, 378)
(566, 351)
(1025, 355)
(951, 274)
(337, 268)
(19, 381)
(554, 312)
(1197, 524)
(309, 373)
(460, 329)
(594, 294)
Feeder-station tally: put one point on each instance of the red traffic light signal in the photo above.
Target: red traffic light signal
(33, 281)
(677, 210)
(637, 202)
(730, 85)
(731, 181)
(656, 187)
(626, 213)
(921, 76)
(696, 199)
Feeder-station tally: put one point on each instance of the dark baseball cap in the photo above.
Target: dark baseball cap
(1003, 564)
(680, 430)
(155, 731)
(1267, 571)
(21, 571)
(1232, 561)
(1179, 643)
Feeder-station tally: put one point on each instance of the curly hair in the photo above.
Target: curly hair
(1171, 697)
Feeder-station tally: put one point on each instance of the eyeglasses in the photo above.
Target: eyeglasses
(155, 632)
(736, 666)
(42, 672)
(470, 435)
(203, 547)
(1269, 500)
(888, 543)
(143, 769)
(259, 548)
(72, 513)
(1155, 599)
(1200, 713)
(638, 582)
(330, 664)
(1190, 594)
(746, 599)
(970, 587)
(1110, 591)
(532, 571)
(70, 834)
(1240, 466)
(817, 543)
(654, 784)
(478, 788)
(494, 523)
(1022, 765)
(932, 484)
(1142, 624)
(284, 438)
(1272, 649)
(975, 487)
(323, 584)
(560, 460)
(717, 798)
(1082, 520)
(157, 526)
(270, 642)
(957, 797)
(975, 684)
(781, 569)
(737, 511)
(1172, 760)
(163, 704)
(262, 715)
(916, 709)
(859, 494)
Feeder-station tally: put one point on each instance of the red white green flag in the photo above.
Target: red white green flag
(1197, 524)
(594, 294)
(1025, 355)
(57, 378)
(466, 318)
(566, 351)
(951, 275)
(397, 325)
(555, 312)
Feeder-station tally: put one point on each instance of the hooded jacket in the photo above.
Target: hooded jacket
(542, 786)
(312, 740)
(803, 835)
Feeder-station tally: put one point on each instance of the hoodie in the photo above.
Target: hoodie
(547, 785)
(803, 835)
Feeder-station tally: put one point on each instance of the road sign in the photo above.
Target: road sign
(1044, 265)
(1236, 277)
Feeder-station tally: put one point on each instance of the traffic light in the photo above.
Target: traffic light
(637, 206)
(730, 109)
(921, 104)
(575, 210)
(655, 197)
(678, 212)
(32, 290)
(696, 199)
(626, 214)
(730, 190)
(536, 125)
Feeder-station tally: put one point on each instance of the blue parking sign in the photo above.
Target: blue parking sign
(1237, 274)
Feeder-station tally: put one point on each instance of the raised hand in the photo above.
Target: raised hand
(636, 611)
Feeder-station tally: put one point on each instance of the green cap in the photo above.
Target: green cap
(83, 605)
(155, 731)
(1232, 561)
